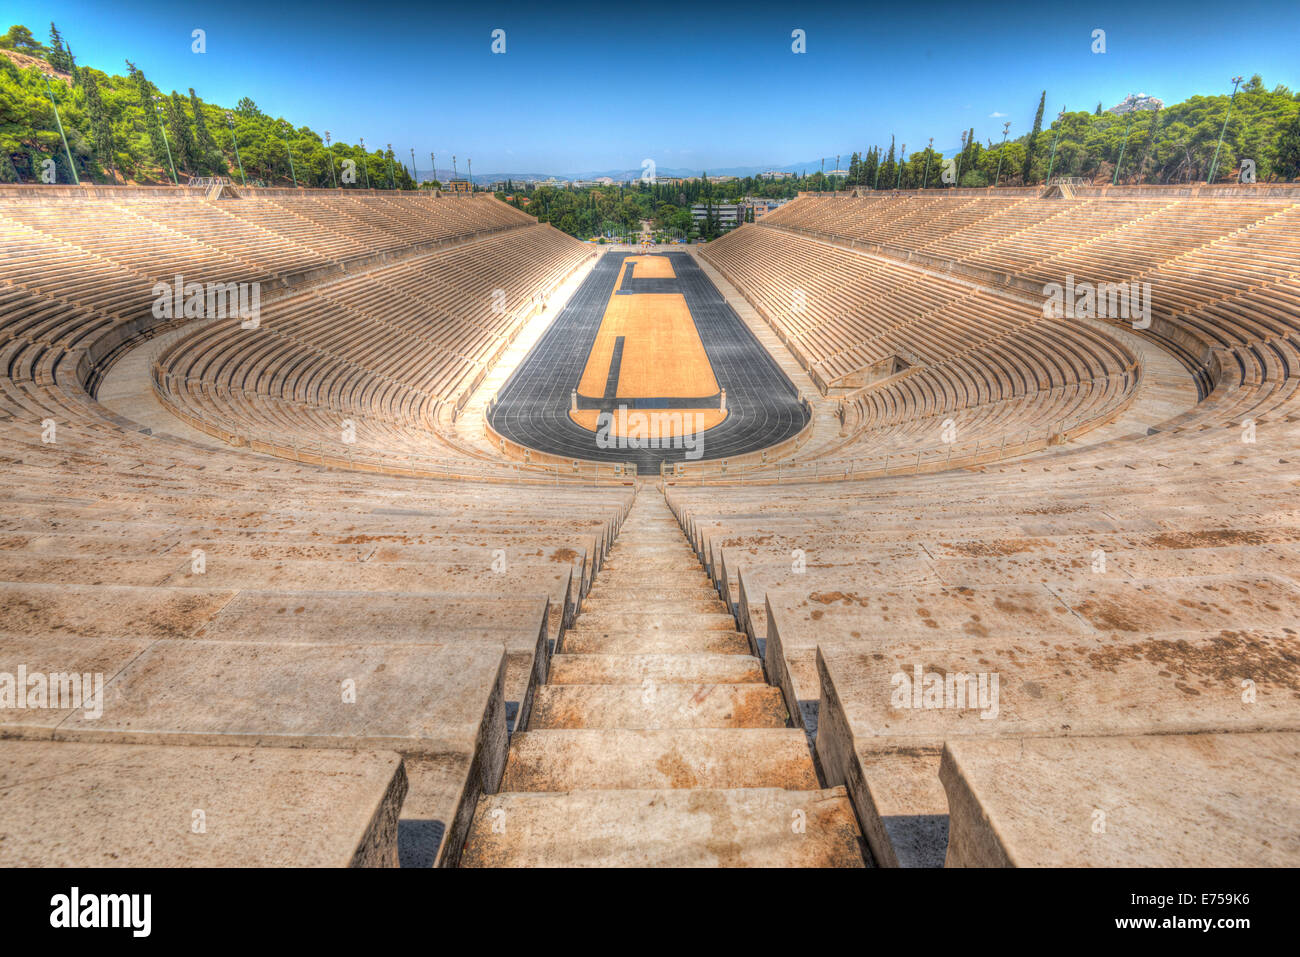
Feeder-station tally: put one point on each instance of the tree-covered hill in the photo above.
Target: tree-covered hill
(1175, 144)
(124, 129)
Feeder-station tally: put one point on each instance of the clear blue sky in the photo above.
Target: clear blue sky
(586, 87)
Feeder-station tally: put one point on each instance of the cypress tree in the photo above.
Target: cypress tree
(1031, 147)
(101, 129)
(206, 146)
(1287, 161)
(182, 139)
(58, 57)
(145, 90)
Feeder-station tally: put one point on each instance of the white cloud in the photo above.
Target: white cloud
(996, 115)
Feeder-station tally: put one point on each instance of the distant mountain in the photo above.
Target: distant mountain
(666, 172)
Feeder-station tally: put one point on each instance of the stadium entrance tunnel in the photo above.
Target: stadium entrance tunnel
(648, 364)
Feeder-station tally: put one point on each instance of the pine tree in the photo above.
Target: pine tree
(101, 128)
(145, 90)
(1287, 160)
(203, 139)
(870, 165)
(887, 170)
(182, 139)
(1031, 146)
(58, 57)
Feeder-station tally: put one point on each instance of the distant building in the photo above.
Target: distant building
(774, 174)
(725, 215)
(1137, 101)
(457, 186)
(760, 206)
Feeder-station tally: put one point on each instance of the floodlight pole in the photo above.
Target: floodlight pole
(329, 147)
(1006, 127)
(365, 159)
(1056, 139)
(230, 121)
(392, 182)
(284, 135)
(167, 143)
(1214, 164)
(470, 164)
(72, 167)
(899, 181)
(1123, 146)
(928, 151)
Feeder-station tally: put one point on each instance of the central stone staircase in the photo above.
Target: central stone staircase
(657, 740)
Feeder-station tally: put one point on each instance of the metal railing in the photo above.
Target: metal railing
(207, 182)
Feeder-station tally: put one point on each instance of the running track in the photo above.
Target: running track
(532, 407)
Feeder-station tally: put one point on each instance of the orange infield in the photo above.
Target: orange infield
(648, 267)
(662, 357)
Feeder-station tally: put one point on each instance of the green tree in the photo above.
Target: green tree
(1031, 146)
(183, 151)
(209, 159)
(58, 57)
(1287, 155)
(101, 126)
(145, 92)
(20, 40)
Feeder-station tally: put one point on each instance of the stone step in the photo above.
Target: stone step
(669, 706)
(755, 827)
(666, 669)
(662, 549)
(620, 602)
(619, 759)
(694, 585)
(655, 590)
(71, 804)
(649, 546)
(662, 578)
(628, 621)
(1165, 800)
(584, 641)
(640, 564)
(653, 535)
